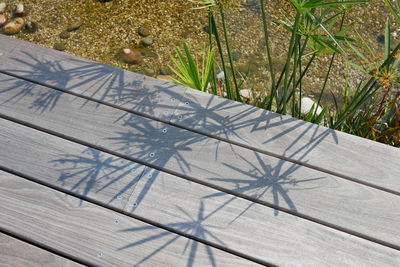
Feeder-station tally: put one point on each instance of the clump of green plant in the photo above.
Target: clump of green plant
(371, 110)
(188, 70)
(318, 27)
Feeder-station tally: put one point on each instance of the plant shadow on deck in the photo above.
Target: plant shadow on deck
(259, 177)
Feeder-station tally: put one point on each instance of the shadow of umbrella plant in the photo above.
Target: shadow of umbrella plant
(93, 172)
(191, 227)
(270, 184)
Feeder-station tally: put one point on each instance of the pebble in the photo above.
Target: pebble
(220, 75)
(381, 39)
(306, 105)
(148, 53)
(132, 56)
(246, 93)
(31, 27)
(2, 7)
(74, 26)
(20, 11)
(143, 31)
(14, 26)
(146, 41)
(149, 72)
(164, 70)
(64, 35)
(3, 19)
(59, 46)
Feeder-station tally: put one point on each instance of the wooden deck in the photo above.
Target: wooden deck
(102, 166)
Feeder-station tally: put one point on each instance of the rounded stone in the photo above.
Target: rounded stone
(3, 19)
(380, 39)
(64, 35)
(146, 41)
(149, 72)
(31, 27)
(164, 70)
(131, 56)
(246, 93)
(20, 11)
(14, 26)
(59, 46)
(148, 53)
(306, 106)
(74, 26)
(143, 31)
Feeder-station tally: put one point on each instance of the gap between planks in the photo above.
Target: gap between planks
(100, 241)
(51, 149)
(168, 121)
(195, 180)
(43, 254)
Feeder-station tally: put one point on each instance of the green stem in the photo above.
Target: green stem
(217, 39)
(329, 69)
(295, 63)
(293, 40)
(269, 54)
(366, 92)
(228, 49)
(213, 74)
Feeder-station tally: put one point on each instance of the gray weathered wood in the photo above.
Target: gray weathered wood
(69, 166)
(187, 207)
(256, 230)
(259, 177)
(104, 83)
(309, 144)
(16, 253)
(94, 234)
(7, 45)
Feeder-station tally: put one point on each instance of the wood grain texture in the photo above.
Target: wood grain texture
(250, 228)
(16, 253)
(97, 235)
(104, 83)
(309, 144)
(7, 45)
(301, 190)
(68, 166)
(205, 213)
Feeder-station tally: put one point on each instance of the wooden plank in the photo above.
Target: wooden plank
(97, 235)
(240, 224)
(7, 44)
(196, 210)
(311, 145)
(278, 183)
(104, 83)
(16, 253)
(68, 166)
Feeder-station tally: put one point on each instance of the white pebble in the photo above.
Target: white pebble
(220, 75)
(306, 105)
(19, 9)
(246, 93)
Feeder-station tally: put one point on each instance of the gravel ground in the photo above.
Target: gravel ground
(108, 27)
